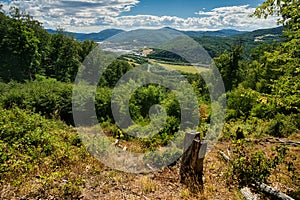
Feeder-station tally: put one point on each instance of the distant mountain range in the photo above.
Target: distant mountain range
(105, 34)
(218, 33)
(98, 37)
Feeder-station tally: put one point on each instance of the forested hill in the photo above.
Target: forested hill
(107, 33)
(102, 35)
(215, 42)
(218, 45)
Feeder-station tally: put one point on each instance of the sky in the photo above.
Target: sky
(96, 15)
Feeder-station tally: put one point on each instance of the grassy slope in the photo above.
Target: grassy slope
(182, 68)
(69, 172)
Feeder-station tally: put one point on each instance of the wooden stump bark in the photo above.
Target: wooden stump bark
(191, 169)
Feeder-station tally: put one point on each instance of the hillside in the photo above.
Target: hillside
(218, 45)
(100, 36)
(215, 42)
(107, 33)
(79, 122)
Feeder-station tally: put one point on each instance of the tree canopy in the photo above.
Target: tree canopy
(28, 49)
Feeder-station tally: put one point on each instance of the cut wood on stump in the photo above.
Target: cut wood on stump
(191, 169)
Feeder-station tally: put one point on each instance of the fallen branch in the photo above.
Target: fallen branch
(289, 142)
(275, 140)
(248, 195)
(228, 151)
(151, 168)
(227, 158)
(146, 198)
(266, 188)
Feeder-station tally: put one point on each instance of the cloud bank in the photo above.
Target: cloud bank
(96, 15)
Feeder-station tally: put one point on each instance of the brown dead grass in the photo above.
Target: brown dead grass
(164, 184)
(92, 180)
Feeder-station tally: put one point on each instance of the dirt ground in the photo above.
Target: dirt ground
(165, 184)
(91, 180)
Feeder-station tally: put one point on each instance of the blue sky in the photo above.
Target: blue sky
(96, 15)
(184, 8)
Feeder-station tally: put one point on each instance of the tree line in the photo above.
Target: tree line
(28, 49)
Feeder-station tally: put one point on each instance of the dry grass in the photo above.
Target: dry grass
(182, 68)
(90, 179)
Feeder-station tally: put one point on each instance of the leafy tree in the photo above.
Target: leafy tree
(103, 104)
(280, 66)
(18, 48)
(146, 97)
(86, 47)
(28, 49)
(229, 66)
(114, 72)
(64, 59)
(270, 89)
(288, 10)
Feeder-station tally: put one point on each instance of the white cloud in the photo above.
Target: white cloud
(234, 17)
(64, 13)
(95, 15)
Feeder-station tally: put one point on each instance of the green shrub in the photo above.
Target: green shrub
(247, 166)
(284, 125)
(28, 140)
(253, 127)
(49, 97)
(103, 104)
(240, 102)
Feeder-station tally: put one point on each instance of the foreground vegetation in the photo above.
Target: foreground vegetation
(43, 157)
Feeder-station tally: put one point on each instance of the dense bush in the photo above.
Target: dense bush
(29, 141)
(265, 113)
(53, 99)
(240, 102)
(248, 166)
(103, 104)
(49, 97)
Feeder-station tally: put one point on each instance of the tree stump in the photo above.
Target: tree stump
(191, 169)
